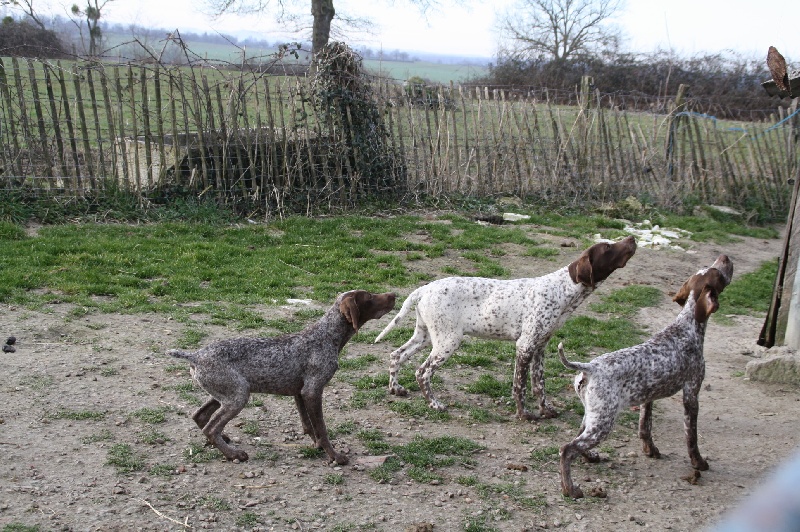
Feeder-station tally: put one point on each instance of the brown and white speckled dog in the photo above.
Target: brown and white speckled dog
(298, 364)
(527, 311)
(670, 361)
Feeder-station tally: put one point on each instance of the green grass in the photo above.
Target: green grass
(628, 300)
(348, 427)
(436, 452)
(545, 455)
(385, 472)
(153, 437)
(152, 416)
(357, 363)
(77, 415)
(750, 293)
(489, 385)
(716, 227)
(187, 391)
(418, 408)
(334, 479)
(431, 71)
(310, 452)
(197, 453)
(581, 334)
(214, 503)
(373, 440)
(19, 527)
(162, 470)
(248, 520)
(181, 268)
(103, 435)
(123, 457)
(250, 426)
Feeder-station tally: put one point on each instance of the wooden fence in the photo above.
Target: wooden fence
(73, 128)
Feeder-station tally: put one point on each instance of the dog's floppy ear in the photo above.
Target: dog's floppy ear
(707, 304)
(683, 294)
(580, 271)
(349, 308)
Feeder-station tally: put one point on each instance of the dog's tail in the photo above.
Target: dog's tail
(178, 353)
(577, 366)
(410, 301)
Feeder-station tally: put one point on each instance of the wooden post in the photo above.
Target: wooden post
(16, 165)
(87, 150)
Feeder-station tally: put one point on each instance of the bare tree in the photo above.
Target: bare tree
(26, 6)
(323, 14)
(560, 30)
(92, 13)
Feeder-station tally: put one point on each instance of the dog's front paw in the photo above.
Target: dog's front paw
(437, 405)
(592, 457)
(572, 491)
(525, 415)
(700, 464)
(651, 450)
(548, 412)
(238, 455)
(398, 390)
(341, 459)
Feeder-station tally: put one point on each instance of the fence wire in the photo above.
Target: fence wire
(249, 137)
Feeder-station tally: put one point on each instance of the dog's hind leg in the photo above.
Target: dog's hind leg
(418, 340)
(594, 433)
(213, 429)
(442, 350)
(645, 430)
(205, 412)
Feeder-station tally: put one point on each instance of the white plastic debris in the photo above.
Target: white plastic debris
(300, 301)
(514, 217)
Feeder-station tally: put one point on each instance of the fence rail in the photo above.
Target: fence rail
(73, 128)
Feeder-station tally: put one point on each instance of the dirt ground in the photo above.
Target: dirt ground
(54, 472)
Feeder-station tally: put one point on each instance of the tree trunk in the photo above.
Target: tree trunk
(323, 12)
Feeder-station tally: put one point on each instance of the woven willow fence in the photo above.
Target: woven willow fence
(243, 136)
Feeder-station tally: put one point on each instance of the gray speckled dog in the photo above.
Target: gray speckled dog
(298, 364)
(670, 361)
(526, 311)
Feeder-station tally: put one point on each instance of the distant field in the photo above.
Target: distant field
(435, 72)
(398, 70)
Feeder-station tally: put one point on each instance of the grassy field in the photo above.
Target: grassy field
(436, 72)
(160, 267)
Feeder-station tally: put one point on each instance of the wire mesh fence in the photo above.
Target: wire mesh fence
(249, 137)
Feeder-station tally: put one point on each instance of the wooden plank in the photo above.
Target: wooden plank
(109, 120)
(217, 143)
(37, 107)
(200, 127)
(148, 152)
(23, 112)
(137, 169)
(224, 139)
(16, 165)
(84, 127)
(769, 334)
(273, 148)
(73, 146)
(173, 115)
(159, 116)
(54, 114)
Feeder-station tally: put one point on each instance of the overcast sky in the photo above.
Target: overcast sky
(686, 26)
